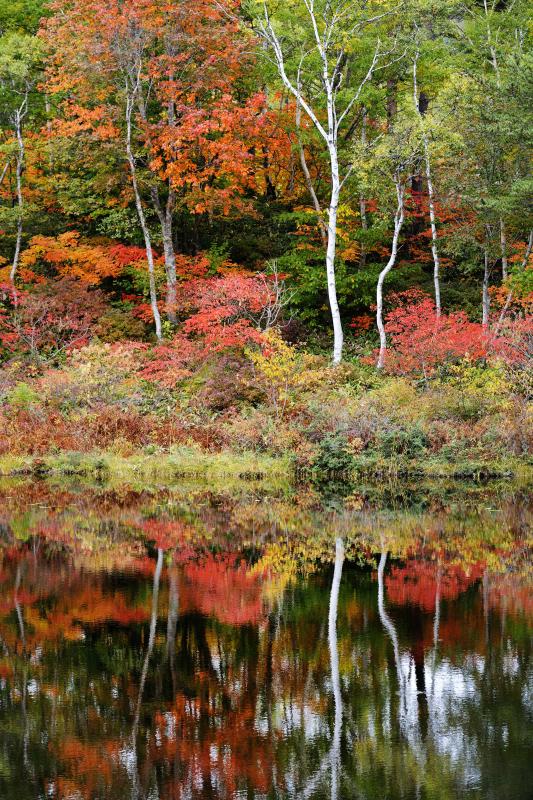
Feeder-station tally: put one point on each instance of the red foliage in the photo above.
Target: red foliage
(420, 341)
(226, 309)
(222, 586)
(362, 323)
(420, 582)
(167, 364)
(57, 316)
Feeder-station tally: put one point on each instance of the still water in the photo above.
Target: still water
(185, 644)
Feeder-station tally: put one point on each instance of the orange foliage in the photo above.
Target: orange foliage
(69, 256)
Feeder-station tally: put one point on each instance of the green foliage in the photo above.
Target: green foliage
(409, 442)
(22, 395)
(334, 456)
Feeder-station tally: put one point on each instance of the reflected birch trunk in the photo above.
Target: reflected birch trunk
(393, 634)
(335, 754)
(150, 646)
(172, 622)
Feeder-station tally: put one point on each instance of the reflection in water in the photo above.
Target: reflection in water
(334, 659)
(156, 653)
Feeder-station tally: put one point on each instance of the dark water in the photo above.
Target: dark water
(186, 645)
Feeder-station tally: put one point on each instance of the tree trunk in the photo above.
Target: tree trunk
(307, 178)
(338, 336)
(19, 113)
(170, 267)
(486, 296)
(433, 222)
(509, 298)
(503, 245)
(362, 200)
(142, 218)
(421, 105)
(398, 222)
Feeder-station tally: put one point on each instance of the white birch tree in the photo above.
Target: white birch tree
(323, 58)
(431, 192)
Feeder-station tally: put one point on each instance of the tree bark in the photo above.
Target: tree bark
(338, 336)
(420, 109)
(307, 178)
(19, 115)
(509, 297)
(486, 296)
(140, 211)
(165, 220)
(330, 80)
(398, 222)
(165, 217)
(362, 200)
(503, 246)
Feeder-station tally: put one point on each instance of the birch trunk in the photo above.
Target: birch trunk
(165, 220)
(486, 296)
(433, 222)
(503, 246)
(330, 79)
(431, 196)
(338, 336)
(170, 269)
(362, 199)
(335, 753)
(164, 214)
(307, 178)
(19, 115)
(398, 223)
(509, 298)
(141, 215)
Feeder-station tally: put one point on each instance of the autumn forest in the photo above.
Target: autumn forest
(266, 282)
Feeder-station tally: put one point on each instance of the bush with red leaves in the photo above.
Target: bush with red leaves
(420, 342)
(56, 317)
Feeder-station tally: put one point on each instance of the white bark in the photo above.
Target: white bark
(4, 171)
(308, 180)
(20, 113)
(330, 79)
(486, 296)
(149, 648)
(398, 223)
(362, 199)
(165, 220)
(389, 626)
(164, 214)
(503, 246)
(431, 197)
(509, 297)
(338, 336)
(130, 100)
(433, 222)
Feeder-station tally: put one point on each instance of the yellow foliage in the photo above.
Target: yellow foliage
(285, 372)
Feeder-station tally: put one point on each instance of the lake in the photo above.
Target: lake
(182, 642)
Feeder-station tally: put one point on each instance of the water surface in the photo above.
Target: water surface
(185, 644)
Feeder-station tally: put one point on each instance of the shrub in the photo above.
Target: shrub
(230, 383)
(421, 342)
(408, 442)
(22, 396)
(334, 456)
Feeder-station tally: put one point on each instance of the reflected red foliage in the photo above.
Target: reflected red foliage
(421, 582)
